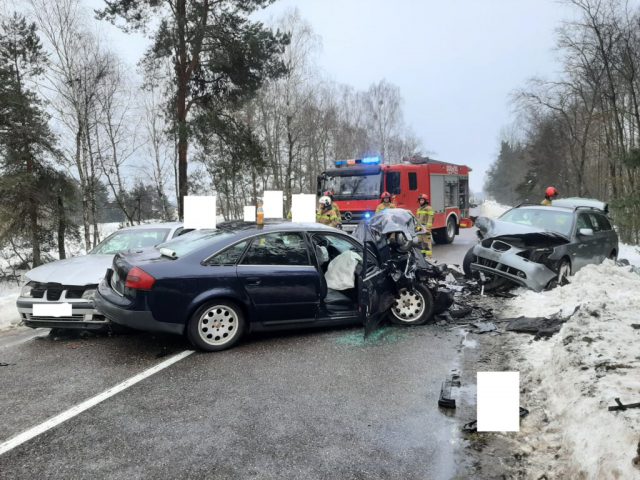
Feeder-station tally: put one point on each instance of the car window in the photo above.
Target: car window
(337, 244)
(604, 222)
(283, 248)
(192, 241)
(594, 222)
(547, 219)
(583, 222)
(125, 240)
(228, 256)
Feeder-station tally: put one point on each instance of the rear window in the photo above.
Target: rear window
(192, 241)
(544, 218)
(128, 240)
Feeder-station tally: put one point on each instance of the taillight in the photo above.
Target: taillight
(138, 279)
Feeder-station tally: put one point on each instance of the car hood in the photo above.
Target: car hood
(83, 270)
(529, 236)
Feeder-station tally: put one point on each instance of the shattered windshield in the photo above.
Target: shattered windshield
(544, 218)
(353, 185)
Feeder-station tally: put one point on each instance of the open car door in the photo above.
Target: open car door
(375, 289)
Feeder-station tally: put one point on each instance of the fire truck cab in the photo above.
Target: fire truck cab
(357, 184)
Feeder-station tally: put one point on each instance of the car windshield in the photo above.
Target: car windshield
(353, 185)
(545, 218)
(126, 240)
(192, 241)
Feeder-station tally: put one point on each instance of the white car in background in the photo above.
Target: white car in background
(74, 280)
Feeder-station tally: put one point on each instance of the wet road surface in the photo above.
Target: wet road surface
(313, 404)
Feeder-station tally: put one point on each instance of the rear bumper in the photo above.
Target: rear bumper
(84, 316)
(515, 268)
(136, 319)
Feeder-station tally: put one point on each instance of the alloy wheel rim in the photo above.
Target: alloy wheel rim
(218, 325)
(409, 305)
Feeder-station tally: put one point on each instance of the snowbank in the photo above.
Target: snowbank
(573, 377)
(489, 208)
(9, 316)
(631, 253)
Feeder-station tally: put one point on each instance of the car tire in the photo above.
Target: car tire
(613, 255)
(466, 264)
(412, 307)
(564, 271)
(216, 325)
(443, 236)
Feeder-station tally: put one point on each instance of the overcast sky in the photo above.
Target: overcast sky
(456, 61)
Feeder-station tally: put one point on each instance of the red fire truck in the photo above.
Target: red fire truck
(357, 184)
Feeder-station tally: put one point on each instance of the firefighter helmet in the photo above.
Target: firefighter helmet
(328, 193)
(551, 192)
(385, 195)
(325, 201)
(423, 197)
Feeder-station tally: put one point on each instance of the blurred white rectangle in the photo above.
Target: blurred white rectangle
(303, 208)
(273, 204)
(199, 211)
(498, 401)
(51, 310)
(249, 213)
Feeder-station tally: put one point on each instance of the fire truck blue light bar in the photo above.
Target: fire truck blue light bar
(359, 161)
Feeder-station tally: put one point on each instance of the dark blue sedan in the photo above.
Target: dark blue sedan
(216, 285)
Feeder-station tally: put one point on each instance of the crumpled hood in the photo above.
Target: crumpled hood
(530, 236)
(82, 270)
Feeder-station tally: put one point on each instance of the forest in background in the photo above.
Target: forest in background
(580, 132)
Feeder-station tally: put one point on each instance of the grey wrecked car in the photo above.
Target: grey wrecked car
(538, 247)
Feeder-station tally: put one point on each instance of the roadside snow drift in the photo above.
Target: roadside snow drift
(573, 377)
(9, 316)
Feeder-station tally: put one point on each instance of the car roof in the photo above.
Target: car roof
(151, 226)
(272, 226)
(558, 208)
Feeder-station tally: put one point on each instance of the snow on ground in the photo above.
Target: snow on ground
(489, 208)
(9, 316)
(575, 375)
(631, 253)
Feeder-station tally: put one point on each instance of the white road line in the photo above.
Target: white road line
(87, 404)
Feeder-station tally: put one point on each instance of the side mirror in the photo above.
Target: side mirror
(585, 232)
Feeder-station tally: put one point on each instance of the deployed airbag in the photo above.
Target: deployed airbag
(341, 273)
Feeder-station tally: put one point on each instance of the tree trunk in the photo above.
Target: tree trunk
(62, 226)
(181, 106)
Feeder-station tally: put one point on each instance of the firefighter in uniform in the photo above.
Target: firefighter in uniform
(549, 195)
(424, 215)
(326, 214)
(385, 203)
(329, 194)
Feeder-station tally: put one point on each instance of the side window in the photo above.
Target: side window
(228, 256)
(583, 222)
(334, 245)
(605, 224)
(393, 183)
(282, 248)
(594, 222)
(413, 181)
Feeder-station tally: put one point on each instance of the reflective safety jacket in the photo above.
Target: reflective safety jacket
(424, 215)
(546, 202)
(384, 206)
(327, 216)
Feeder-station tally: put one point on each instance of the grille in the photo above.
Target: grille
(54, 293)
(72, 318)
(37, 293)
(355, 217)
(77, 293)
(487, 263)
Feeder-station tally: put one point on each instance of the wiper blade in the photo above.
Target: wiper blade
(167, 252)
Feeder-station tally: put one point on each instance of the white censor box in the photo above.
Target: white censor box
(200, 212)
(273, 204)
(498, 401)
(303, 208)
(249, 213)
(51, 309)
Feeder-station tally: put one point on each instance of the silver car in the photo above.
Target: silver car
(539, 247)
(73, 281)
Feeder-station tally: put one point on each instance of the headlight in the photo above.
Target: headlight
(26, 290)
(544, 250)
(89, 294)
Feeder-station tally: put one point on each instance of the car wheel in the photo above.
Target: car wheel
(469, 258)
(216, 326)
(613, 255)
(564, 272)
(412, 307)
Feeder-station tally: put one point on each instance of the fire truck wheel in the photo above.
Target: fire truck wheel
(442, 236)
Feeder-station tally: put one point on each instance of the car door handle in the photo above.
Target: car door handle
(252, 281)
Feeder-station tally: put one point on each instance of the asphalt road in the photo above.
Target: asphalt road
(314, 404)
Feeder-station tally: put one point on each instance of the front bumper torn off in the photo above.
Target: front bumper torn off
(508, 264)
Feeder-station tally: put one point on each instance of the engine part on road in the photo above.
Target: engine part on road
(445, 400)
